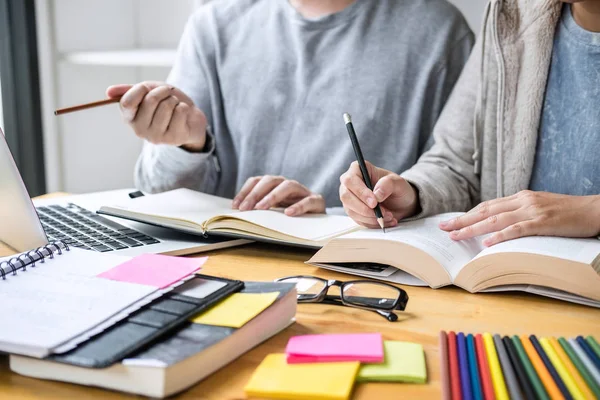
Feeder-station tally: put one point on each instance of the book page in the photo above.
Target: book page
(575, 249)
(425, 235)
(315, 227)
(184, 204)
(61, 298)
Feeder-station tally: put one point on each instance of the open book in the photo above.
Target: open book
(199, 213)
(419, 253)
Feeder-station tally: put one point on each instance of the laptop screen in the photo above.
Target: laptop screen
(20, 227)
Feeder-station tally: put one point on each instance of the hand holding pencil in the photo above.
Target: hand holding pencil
(395, 197)
(157, 112)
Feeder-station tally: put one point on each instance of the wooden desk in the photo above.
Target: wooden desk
(428, 312)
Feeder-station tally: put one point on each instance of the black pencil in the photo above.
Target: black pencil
(362, 165)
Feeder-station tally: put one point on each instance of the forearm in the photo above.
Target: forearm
(160, 168)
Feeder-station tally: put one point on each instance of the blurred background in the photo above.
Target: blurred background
(56, 53)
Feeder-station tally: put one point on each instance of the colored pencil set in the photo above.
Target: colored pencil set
(487, 367)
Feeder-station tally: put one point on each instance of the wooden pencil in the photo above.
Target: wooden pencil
(454, 368)
(561, 369)
(509, 374)
(589, 351)
(559, 382)
(579, 364)
(85, 106)
(589, 365)
(520, 371)
(593, 344)
(579, 381)
(484, 369)
(465, 374)
(474, 368)
(544, 375)
(497, 376)
(446, 390)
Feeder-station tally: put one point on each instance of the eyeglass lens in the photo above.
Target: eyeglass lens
(371, 295)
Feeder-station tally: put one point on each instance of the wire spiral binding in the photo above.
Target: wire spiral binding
(28, 259)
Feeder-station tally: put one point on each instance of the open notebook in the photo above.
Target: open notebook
(419, 253)
(199, 213)
(54, 298)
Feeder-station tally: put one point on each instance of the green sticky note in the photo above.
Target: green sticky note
(404, 362)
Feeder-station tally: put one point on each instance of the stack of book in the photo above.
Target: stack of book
(495, 367)
(208, 342)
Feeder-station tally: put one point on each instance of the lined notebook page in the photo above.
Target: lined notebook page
(50, 304)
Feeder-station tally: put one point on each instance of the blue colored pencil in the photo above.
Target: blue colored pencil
(561, 385)
(465, 378)
(589, 351)
(474, 368)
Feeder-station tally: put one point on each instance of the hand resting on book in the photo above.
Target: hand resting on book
(265, 192)
(528, 213)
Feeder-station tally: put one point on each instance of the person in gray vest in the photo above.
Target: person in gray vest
(253, 105)
(521, 132)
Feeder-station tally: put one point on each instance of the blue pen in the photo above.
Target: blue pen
(465, 379)
(474, 368)
(589, 351)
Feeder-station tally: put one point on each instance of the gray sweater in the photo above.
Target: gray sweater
(274, 86)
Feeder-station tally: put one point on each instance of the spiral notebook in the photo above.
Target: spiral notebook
(54, 297)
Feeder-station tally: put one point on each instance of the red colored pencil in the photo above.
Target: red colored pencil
(454, 368)
(484, 369)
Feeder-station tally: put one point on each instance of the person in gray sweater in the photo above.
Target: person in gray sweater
(253, 104)
(521, 132)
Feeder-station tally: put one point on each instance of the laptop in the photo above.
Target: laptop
(27, 224)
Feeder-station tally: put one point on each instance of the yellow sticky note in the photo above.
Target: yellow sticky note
(276, 379)
(404, 362)
(236, 309)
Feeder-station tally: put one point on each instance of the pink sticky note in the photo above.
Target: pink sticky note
(154, 270)
(364, 347)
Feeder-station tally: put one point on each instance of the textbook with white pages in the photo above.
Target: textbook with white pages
(53, 299)
(203, 214)
(419, 253)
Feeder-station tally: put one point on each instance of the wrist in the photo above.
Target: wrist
(196, 147)
(417, 203)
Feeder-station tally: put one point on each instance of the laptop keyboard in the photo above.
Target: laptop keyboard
(84, 229)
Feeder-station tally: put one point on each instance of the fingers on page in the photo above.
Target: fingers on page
(264, 186)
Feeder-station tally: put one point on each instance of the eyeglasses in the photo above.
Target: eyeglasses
(368, 295)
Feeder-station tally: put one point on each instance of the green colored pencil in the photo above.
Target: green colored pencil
(593, 344)
(587, 377)
(538, 386)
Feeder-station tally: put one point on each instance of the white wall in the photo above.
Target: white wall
(94, 150)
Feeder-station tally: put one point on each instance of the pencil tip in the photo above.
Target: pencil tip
(347, 118)
(381, 224)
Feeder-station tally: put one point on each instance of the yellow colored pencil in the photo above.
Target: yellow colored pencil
(585, 390)
(496, 370)
(561, 369)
